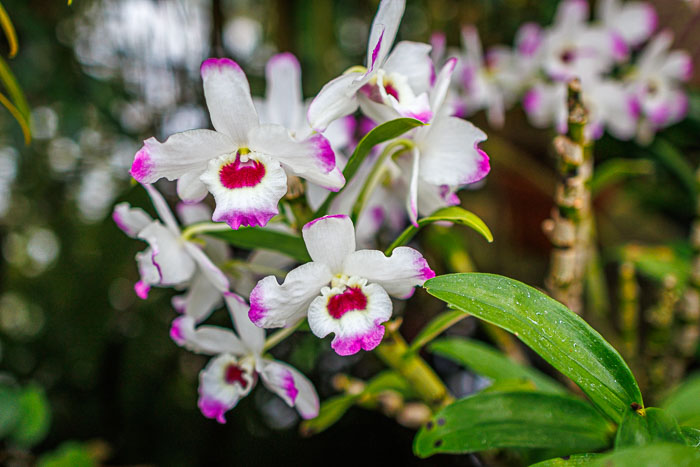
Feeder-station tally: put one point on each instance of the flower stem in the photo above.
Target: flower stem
(394, 351)
(204, 227)
(280, 335)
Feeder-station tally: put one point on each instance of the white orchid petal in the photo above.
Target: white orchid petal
(335, 100)
(412, 60)
(130, 220)
(250, 334)
(227, 93)
(200, 300)
(168, 255)
(190, 188)
(273, 305)
(291, 385)
(283, 99)
(181, 153)
(222, 383)
(207, 267)
(329, 240)
(207, 340)
(383, 32)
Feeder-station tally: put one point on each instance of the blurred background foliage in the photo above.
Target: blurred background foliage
(101, 75)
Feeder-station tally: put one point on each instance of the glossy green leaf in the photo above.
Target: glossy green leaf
(379, 134)
(691, 435)
(684, 402)
(617, 170)
(450, 214)
(434, 328)
(487, 361)
(652, 455)
(68, 454)
(267, 239)
(9, 409)
(558, 335)
(34, 417)
(510, 385)
(568, 461)
(514, 420)
(649, 426)
(331, 411)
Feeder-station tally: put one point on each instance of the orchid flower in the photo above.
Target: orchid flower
(656, 84)
(242, 163)
(633, 22)
(342, 291)
(169, 260)
(572, 47)
(398, 81)
(238, 361)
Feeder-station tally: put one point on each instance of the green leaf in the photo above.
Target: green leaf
(34, 417)
(652, 455)
(388, 381)
(377, 135)
(510, 385)
(450, 214)
(691, 435)
(558, 335)
(9, 409)
(684, 402)
(487, 361)
(331, 411)
(68, 454)
(617, 170)
(513, 420)
(434, 328)
(566, 461)
(649, 426)
(267, 239)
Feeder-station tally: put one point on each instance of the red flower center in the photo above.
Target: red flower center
(350, 300)
(239, 174)
(234, 375)
(391, 90)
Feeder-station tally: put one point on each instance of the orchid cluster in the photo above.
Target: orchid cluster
(253, 162)
(631, 80)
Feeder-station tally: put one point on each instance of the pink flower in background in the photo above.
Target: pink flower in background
(633, 22)
(342, 291)
(242, 163)
(238, 362)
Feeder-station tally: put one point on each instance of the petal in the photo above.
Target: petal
(227, 93)
(335, 100)
(181, 153)
(376, 111)
(329, 240)
(193, 213)
(383, 32)
(354, 313)
(222, 383)
(168, 255)
(312, 158)
(571, 13)
(213, 274)
(273, 305)
(250, 334)
(450, 154)
(412, 199)
(162, 209)
(190, 188)
(634, 21)
(149, 272)
(398, 274)
(292, 386)
(246, 193)
(283, 98)
(200, 300)
(431, 197)
(528, 39)
(442, 84)
(678, 65)
(208, 340)
(130, 220)
(412, 59)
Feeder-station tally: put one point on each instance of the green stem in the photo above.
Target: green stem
(202, 228)
(376, 174)
(280, 335)
(394, 351)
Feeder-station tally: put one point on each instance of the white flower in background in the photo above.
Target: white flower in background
(396, 83)
(242, 163)
(656, 84)
(169, 261)
(572, 48)
(633, 22)
(342, 291)
(238, 360)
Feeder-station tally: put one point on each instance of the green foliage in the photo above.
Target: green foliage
(641, 427)
(514, 420)
(434, 328)
(491, 363)
(684, 402)
(574, 460)
(617, 170)
(652, 455)
(449, 214)
(35, 417)
(267, 239)
(9, 409)
(69, 454)
(381, 133)
(558, 335)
